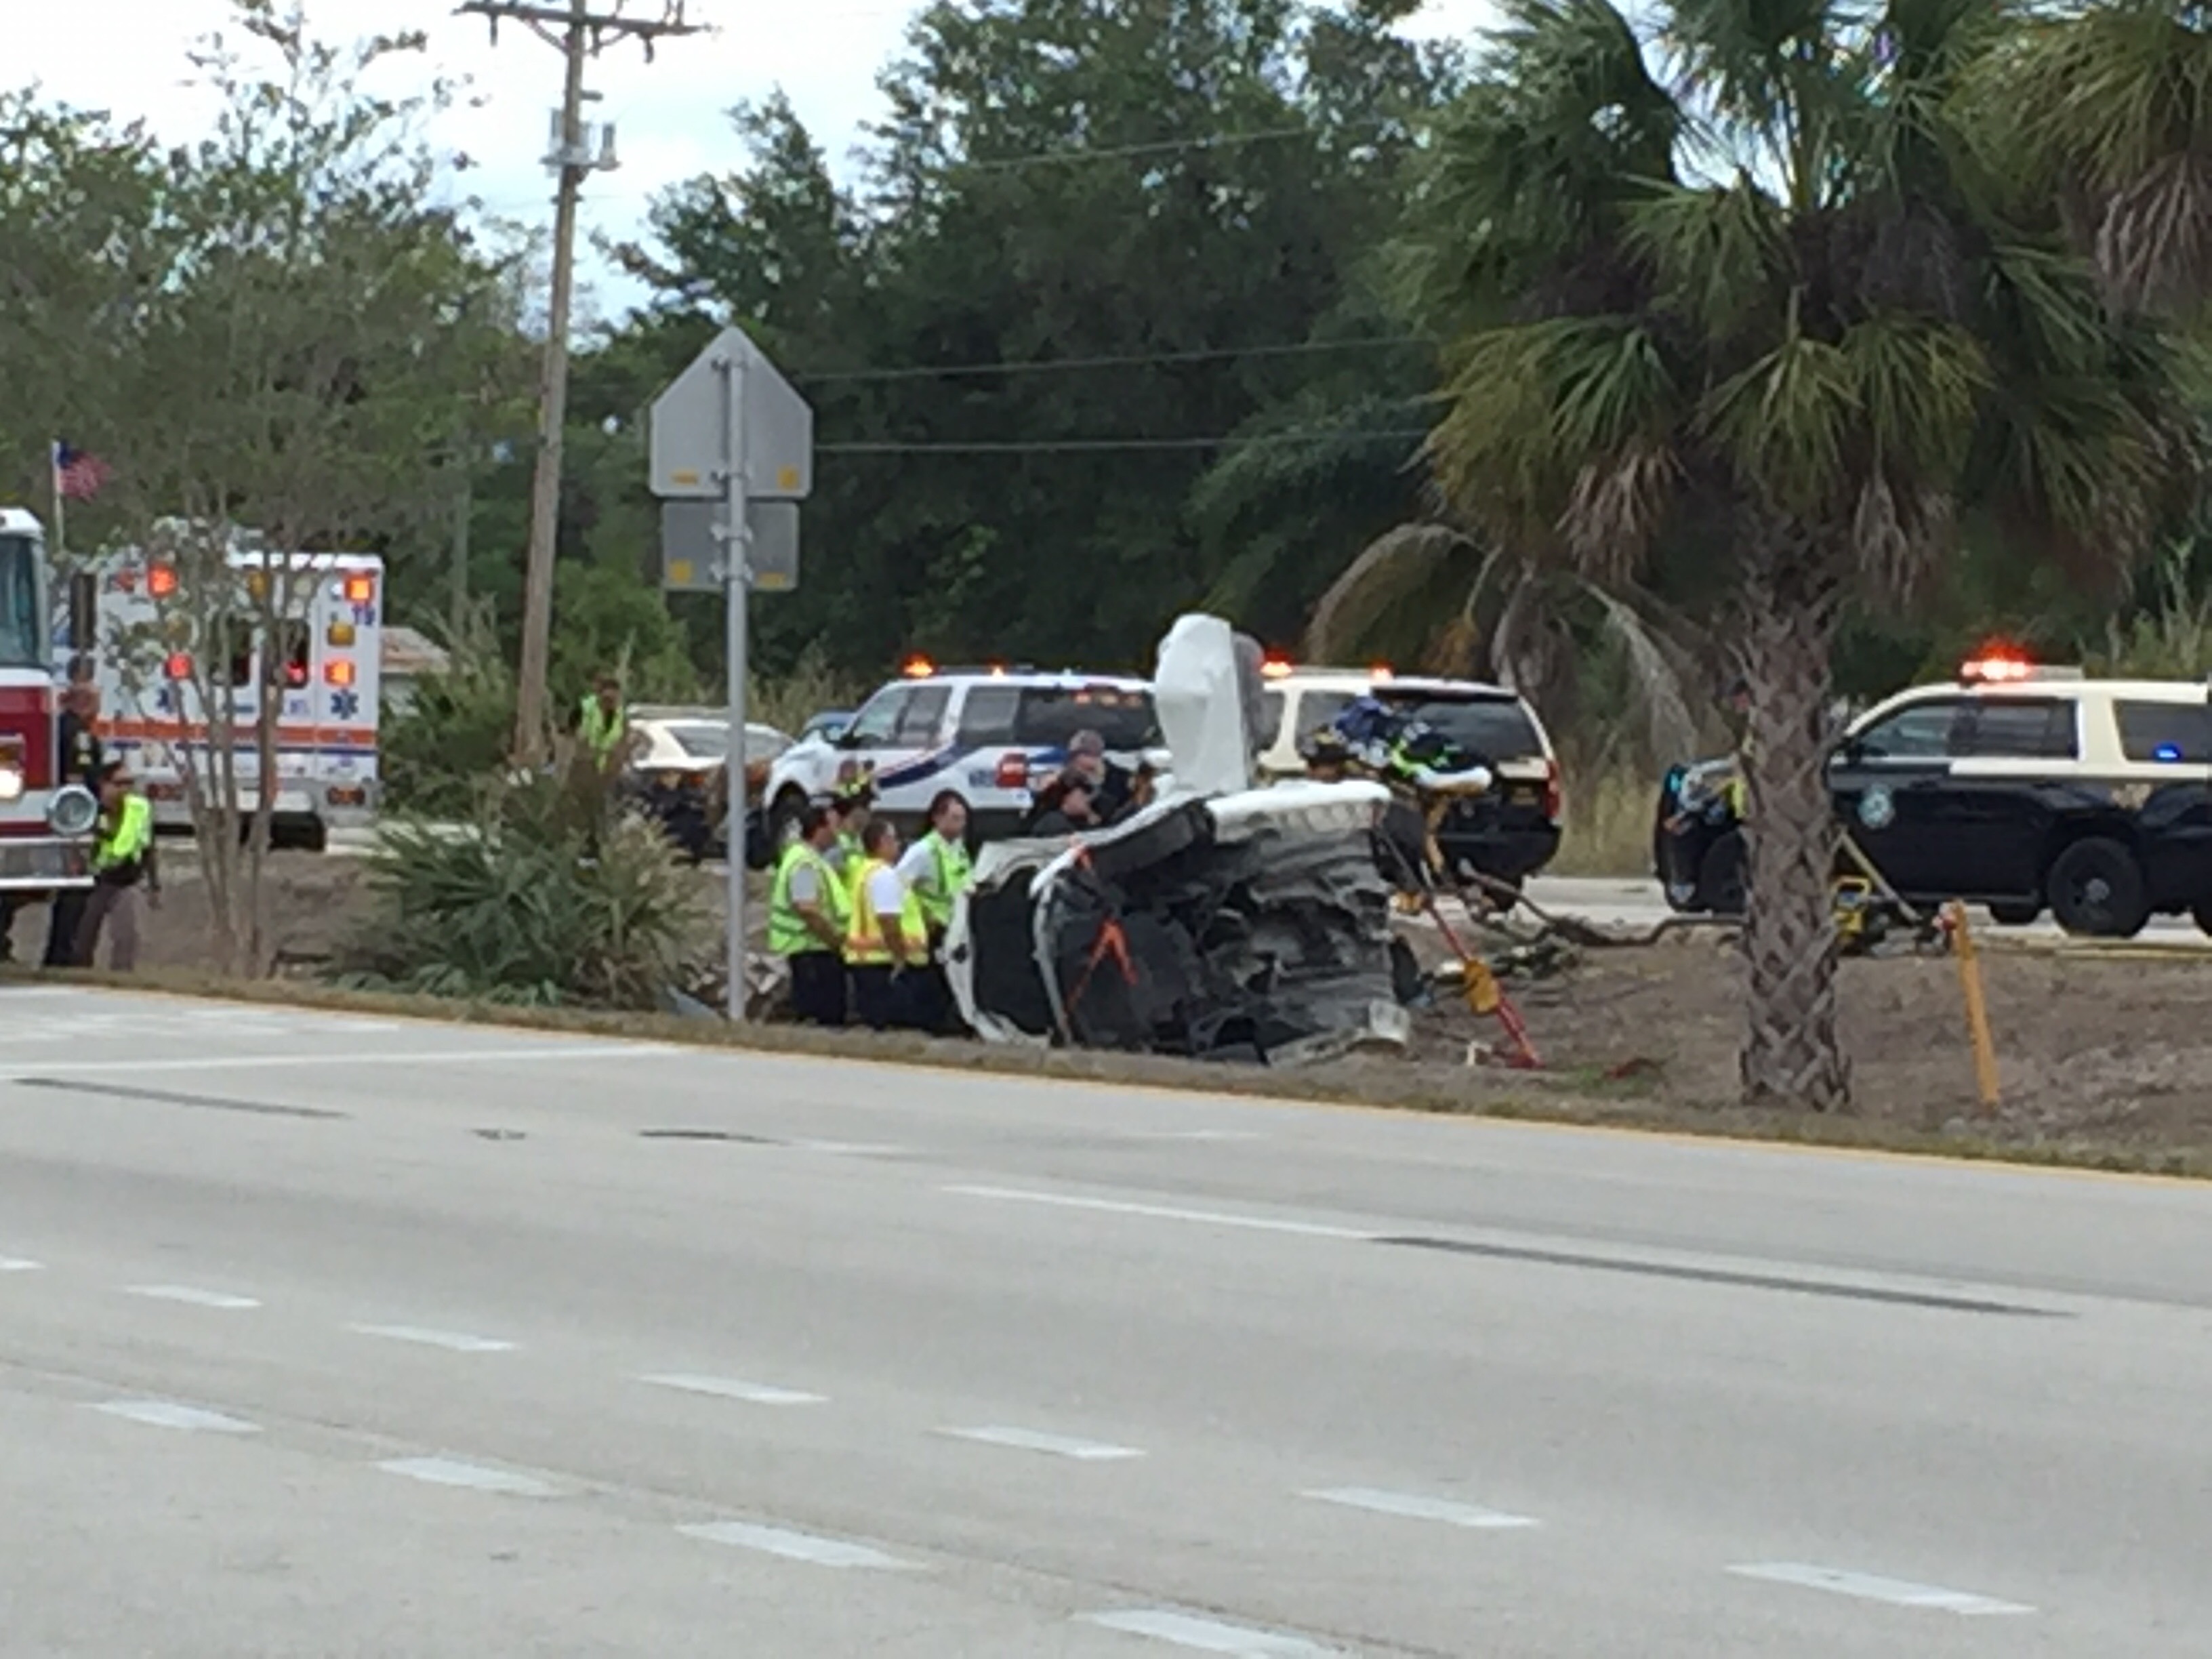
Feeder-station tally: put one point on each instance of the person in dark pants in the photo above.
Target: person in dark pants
(122, 862)
(806, 920)
(887, 935)
(82, 758)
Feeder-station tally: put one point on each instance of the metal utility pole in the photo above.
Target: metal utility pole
(580, 33)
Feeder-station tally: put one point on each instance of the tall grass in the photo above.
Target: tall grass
(1607, 828)
(2171, 640)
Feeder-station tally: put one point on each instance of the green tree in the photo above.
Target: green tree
(1094, 241)
(273, 355)
(2106, 105)
(1732, 290)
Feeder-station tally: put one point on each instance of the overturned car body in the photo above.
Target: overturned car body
(1253, 926)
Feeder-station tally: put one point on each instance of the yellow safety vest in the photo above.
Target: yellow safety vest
(955, 874)
(865, 944)
(599, 729)
(788, 935)
(124, 839)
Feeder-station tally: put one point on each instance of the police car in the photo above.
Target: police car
(2018, 788)
(988, 734)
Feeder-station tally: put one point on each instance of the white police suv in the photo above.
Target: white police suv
(987, 734)
(2022, 788)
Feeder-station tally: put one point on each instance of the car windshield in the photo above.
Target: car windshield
(22, 605)
(701, 741)
(1049, 715)
(1497, 728)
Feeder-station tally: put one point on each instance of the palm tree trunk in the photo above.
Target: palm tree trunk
(1792, 1055)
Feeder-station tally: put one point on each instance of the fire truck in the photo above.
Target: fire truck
(45, 828)
(153, 688)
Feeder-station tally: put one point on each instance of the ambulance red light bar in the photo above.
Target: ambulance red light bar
(1275, 666)
(2004, 665)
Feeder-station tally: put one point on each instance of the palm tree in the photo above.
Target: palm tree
(1730, 280)
(2107, 108)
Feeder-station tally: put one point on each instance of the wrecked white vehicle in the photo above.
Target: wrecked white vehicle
(1222, 923)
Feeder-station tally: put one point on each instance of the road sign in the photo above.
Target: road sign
(734, 444)
(690, 429)
(691, 546)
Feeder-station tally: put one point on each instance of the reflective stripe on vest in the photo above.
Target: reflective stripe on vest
(788, 935)
(865, 944)
(954, 874)
(128, 837)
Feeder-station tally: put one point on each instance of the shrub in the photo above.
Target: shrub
(550, 896)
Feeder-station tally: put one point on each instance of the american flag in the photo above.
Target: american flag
(78, 476)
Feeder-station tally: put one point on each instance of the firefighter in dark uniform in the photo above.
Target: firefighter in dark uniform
(82, 758)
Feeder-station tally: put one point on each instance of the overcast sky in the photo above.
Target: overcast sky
(131, 57)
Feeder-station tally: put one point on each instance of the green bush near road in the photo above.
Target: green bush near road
(550, 897)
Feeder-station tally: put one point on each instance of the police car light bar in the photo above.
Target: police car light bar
(2008, 668)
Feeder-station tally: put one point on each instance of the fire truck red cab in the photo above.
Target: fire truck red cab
(45, 828)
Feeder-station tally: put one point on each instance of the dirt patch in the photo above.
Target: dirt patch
(313, 899)
(2104, 1059)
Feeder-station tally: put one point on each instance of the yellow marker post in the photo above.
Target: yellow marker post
(1977, 1010)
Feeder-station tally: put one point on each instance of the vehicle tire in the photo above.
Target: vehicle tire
(1724, 876)
(2097, 890)
(2021, 914)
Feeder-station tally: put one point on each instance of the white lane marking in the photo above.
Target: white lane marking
(848, 1148)
(1417, 1508)
(729, 1387)
(454, 1341)
(1898, 1592)
(1167, 1212)
(187, 1294)
(1205, 1635)
(1193, 1134)
(1055, 1445)
(453, 1471)
(797, 1546)
(19, 1068)
(16, 1264)
(168, 1414)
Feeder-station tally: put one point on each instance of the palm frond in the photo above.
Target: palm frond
(1389, 600)
(1721, 255)
(2111, 105)
(1784, 425)
(1534, 409)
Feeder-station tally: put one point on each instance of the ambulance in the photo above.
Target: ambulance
(45, 828)
(152, 685)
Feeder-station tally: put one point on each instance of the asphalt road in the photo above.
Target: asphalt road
(322, 1335)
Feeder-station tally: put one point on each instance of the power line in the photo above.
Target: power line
(1135, 360)
(1124, 152)
(1108, 445)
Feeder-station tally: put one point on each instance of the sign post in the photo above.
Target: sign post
(730, 433)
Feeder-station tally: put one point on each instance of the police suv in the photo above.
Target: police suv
(2020, 788)
(990, 735)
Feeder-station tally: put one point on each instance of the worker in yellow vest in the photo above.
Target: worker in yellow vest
(123, 862)
(937, 872)
(603, 724)
(807, 920)
(886, 935)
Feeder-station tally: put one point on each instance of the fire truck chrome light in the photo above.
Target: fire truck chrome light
(73, 810)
